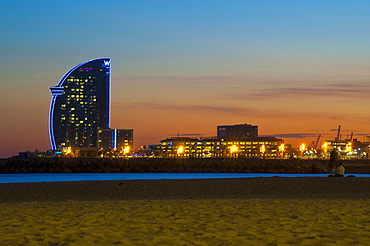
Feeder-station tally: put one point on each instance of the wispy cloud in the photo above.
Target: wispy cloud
(327, 90)
(188, 134)
(292, 135)
(243, 111)
(362, 134)
(195, 108)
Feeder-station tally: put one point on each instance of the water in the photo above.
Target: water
(60, 177)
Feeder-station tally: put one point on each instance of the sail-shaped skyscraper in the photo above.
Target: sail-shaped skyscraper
(80, 105)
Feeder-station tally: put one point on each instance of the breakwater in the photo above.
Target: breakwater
(162, 165)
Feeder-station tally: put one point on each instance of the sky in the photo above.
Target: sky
(296, 69)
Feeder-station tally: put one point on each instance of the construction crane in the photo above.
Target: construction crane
(317, 141)
(337, 138)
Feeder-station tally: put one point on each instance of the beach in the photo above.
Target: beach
(253, 211)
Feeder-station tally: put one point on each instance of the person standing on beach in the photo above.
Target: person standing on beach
(333, 161)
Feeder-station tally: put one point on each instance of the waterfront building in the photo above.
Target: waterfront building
(237, 132)
(346, 149)
(258, 147)
(121, 140)
(80, 105)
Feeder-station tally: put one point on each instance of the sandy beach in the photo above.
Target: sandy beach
(256, 211)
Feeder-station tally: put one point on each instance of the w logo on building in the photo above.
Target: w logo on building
(105, 64)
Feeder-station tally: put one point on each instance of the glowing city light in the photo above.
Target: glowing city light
(68, 151)
(234, 149)
(302, 148)
(325, 147)
(349, 147)
(180, 150)
(282, 148)
(126, 150)
(263, 149)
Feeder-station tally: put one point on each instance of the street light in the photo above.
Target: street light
(281, 149)
(263, 149)
(349, 147)
(180, 150)
(233, 149)
(126, 150)
(302, 149)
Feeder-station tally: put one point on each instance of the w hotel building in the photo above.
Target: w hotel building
(80, 105)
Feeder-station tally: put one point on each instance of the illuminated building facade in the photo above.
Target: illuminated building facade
(268, 147)
(346, 149)
(80, 105)
(237, 132)
(116, 139)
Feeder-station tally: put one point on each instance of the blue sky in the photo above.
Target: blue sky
(287, 66)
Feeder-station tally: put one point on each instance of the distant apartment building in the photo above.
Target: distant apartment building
(237, 132)
(116, 139)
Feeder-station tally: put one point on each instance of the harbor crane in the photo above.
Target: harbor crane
(337, 138)
(317, 142)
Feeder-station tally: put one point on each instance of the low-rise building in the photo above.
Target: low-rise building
(116, 140)
(269, 147)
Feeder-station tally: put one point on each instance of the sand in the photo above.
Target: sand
(261, 211)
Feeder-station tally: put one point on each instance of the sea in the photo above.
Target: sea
(70, 177)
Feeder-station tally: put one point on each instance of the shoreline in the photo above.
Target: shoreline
(177, 165)
(166, 189)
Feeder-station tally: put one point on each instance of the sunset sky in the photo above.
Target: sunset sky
(296, 69)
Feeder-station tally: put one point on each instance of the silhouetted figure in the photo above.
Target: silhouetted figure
(333, 162)
(340, 171)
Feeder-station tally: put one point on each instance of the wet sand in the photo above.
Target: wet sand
(257, 211)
